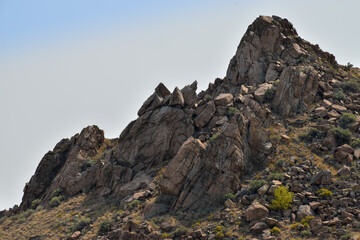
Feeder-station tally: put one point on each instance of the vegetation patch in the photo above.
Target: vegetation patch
(283, 198)
(105, 226)
(325, 193)
(80, 224)
(347, 118)
(342, 135)
(355, 144)
(256, 184)
(228, 196)
(352, 86)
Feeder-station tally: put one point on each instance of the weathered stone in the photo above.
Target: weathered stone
(339, 108)
(223, 99)
(323, 177)
(259, 93)
(205, 116)
(326, 103)
(259, 227)
(256, 211)
(296, 90)
(263, 190)
(271, 222)
(189, 94)
(75, 235)
(162, 91)
(304, 211)
(345, 148)
(357, 153)
(244, 90)
(177, 98)
(343, 157)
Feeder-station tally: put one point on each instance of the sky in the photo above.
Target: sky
(68, 64)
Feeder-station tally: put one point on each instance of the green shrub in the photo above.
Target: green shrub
(356, 143)
(283, 198)
(57, 192)
(228, 196)
(306, 221)
(342, 135)
(351, 85)
(276, 176)
(323, 192)
(275, 231)
(180, 231)
(339, 95)
(270, 94)
(256, 184)
(347, 118)
(105, 226)
(35, 203)
(316, 133)
(165, 235)
(80, 224)
(347, 236)
(134, 204)
(55, 201)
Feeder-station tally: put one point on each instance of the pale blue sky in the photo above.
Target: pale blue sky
(68, 64)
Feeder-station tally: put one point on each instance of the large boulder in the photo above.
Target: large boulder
(255, 211)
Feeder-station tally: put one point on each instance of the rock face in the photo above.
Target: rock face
(59, 168)
(256, 212)
(296, 91)
(266, 39)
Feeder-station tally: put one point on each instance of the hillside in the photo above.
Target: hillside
(270, 151)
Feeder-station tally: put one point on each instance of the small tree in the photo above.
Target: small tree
(283, 198)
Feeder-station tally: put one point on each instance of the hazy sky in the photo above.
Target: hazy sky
(68, 64)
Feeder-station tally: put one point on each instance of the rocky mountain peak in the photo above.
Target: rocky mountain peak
(280, 117)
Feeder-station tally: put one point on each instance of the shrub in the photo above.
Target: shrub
(219, 234)
(180, 231)
(305, 222)
(342, 135)
(347, 118)
(35, 203)
(323, 192)
(256, 184)
(276, 176)
(316, 133)
(105, 226)
(283, 198)
(339, 95)
(275, 231)
(55, 201)
(228, 196)
(213, 137)
(355, 143)
(165, 235)
(351, 85)
(57, 192)
(347, 236)
(80, 224)
(134, 204)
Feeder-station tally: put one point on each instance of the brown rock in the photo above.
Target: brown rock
(320, 111)
(357, 153)
(323, 177)
(189, 93)
(244, 90)
(177, 98)
(223, 99)
(259, 93)
(153, 102)
(343, 157)
(162, 91)
(304, 211)
(256, 211)
(259, 227)
(205, 116)
(339, 108)
(345, 148)
(75, 235)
